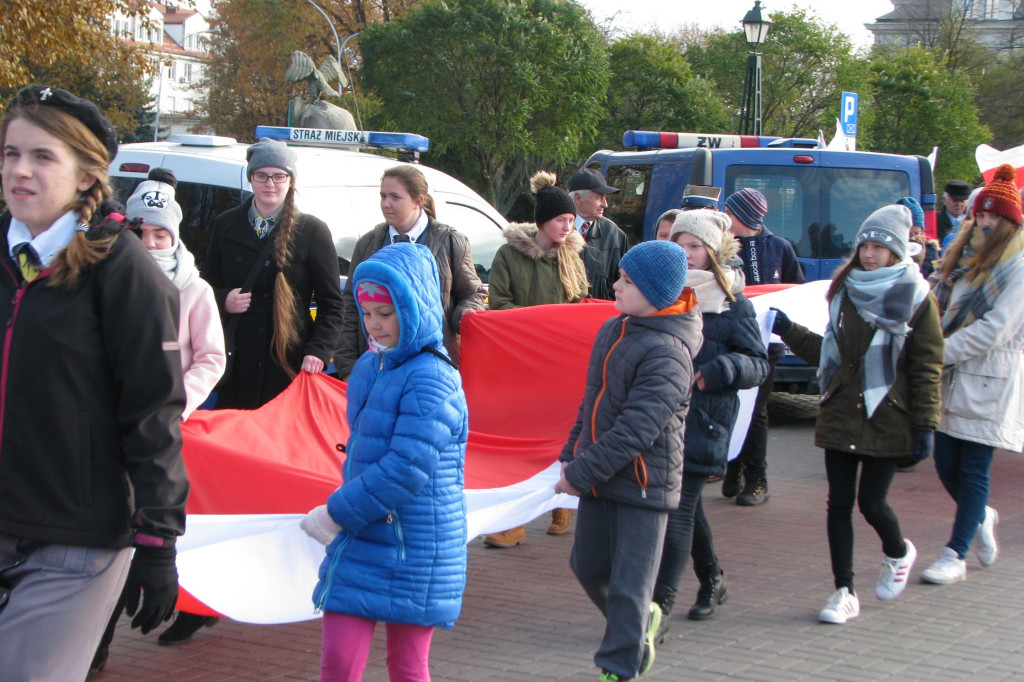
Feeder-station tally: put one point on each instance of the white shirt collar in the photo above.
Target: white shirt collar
(49, 242)
(414, 233)
(580, 221)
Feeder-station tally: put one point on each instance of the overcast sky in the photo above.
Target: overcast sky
(665, 15)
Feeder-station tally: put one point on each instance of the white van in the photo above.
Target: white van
(338, 185)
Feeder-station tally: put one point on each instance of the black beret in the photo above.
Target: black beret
(82, 109)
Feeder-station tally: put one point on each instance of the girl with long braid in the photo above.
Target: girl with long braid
(90, 399)
(275, 335)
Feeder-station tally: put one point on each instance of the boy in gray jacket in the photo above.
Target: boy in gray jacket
(624, 456)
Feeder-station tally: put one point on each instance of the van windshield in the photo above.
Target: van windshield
(819, 210)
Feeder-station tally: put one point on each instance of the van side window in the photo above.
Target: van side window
(626, 209)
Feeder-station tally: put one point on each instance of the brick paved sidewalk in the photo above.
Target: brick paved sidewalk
(525, 617)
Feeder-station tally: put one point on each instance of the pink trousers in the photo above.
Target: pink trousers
(346, 648)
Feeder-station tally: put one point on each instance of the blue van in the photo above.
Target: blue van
(817, 198)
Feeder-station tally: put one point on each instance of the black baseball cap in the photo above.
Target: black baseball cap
(589, 178)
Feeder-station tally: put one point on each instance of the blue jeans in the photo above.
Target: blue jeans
(963, 468)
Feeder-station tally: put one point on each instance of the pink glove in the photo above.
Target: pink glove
(319, 525)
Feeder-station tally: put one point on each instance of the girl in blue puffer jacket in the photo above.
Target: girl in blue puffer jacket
(396, 528)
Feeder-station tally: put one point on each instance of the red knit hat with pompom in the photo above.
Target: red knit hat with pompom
(1001, 195)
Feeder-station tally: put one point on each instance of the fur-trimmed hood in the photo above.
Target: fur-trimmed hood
(522, 237)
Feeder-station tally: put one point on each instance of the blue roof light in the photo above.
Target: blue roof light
(345, 138)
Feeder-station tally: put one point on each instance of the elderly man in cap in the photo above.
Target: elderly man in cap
(606, 243)
(954, 199)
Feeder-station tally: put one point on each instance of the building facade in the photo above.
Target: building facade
(178, 39)
(999, 24)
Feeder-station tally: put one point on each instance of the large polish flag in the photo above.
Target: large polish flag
(990, 158)
(254, 474)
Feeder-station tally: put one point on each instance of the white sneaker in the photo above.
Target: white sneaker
(842, 606)
(949, 568)
(895, 572)
(987, 550)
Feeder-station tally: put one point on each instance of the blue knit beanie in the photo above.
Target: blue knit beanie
(749, 206)
(658, 269)
(916, 212)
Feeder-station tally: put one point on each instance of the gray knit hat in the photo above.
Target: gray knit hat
(658, 269)
(707, 225)
(268, 153)
(889, 226)
(154, 202)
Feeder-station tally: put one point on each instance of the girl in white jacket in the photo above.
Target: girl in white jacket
(979, 287)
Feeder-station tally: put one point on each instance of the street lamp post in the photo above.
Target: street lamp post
(337, 43)
(755, 26)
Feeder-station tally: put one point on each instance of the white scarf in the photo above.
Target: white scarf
(710, 295)
(178, 264)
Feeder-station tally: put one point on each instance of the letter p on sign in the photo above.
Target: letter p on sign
(849, 113)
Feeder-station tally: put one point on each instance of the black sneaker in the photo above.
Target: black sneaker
(731, 482)
(184, 627)
(754, 493)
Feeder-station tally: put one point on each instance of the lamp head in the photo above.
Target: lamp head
(756, 26)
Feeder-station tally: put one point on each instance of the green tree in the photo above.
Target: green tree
(495, 84)
(806, 64)
(1001, 99)
(653, 88)
(245, 78)
(68, 43)
(916, 104)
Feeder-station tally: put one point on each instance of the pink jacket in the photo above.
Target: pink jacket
(201, 337)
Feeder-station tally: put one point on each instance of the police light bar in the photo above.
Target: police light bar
(657, 140)
(345, 138)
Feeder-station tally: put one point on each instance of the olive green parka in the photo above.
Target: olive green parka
(912, 402)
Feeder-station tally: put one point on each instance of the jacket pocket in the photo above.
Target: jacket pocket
(977, 388)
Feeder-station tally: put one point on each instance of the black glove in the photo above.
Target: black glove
(782, 323)
(924, 442)
(154, 574)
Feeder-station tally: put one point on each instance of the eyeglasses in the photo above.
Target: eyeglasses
(261, 178)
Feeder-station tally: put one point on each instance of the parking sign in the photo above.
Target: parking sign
(848, 115)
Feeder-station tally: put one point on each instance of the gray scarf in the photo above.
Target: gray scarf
(887, 299)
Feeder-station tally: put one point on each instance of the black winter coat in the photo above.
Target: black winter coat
(606, 244)
(627, 442)
(256, 377)
(731, 358)
(461, 288)
(91, 403)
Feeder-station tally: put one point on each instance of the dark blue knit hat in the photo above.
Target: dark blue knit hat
(749, 206)
(658, 269)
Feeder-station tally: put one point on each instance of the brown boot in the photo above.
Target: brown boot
(559, 521)
(508, 538)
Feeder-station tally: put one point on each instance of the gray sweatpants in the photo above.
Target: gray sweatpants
(61, 597)
(615, 556)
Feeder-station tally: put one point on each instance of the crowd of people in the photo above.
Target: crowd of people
(115, 338)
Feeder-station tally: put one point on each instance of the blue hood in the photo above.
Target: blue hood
(409, 273)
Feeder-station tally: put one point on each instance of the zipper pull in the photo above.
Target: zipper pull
(643, 492)
(390, 518)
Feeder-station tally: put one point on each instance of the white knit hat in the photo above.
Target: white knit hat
(707, 225)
